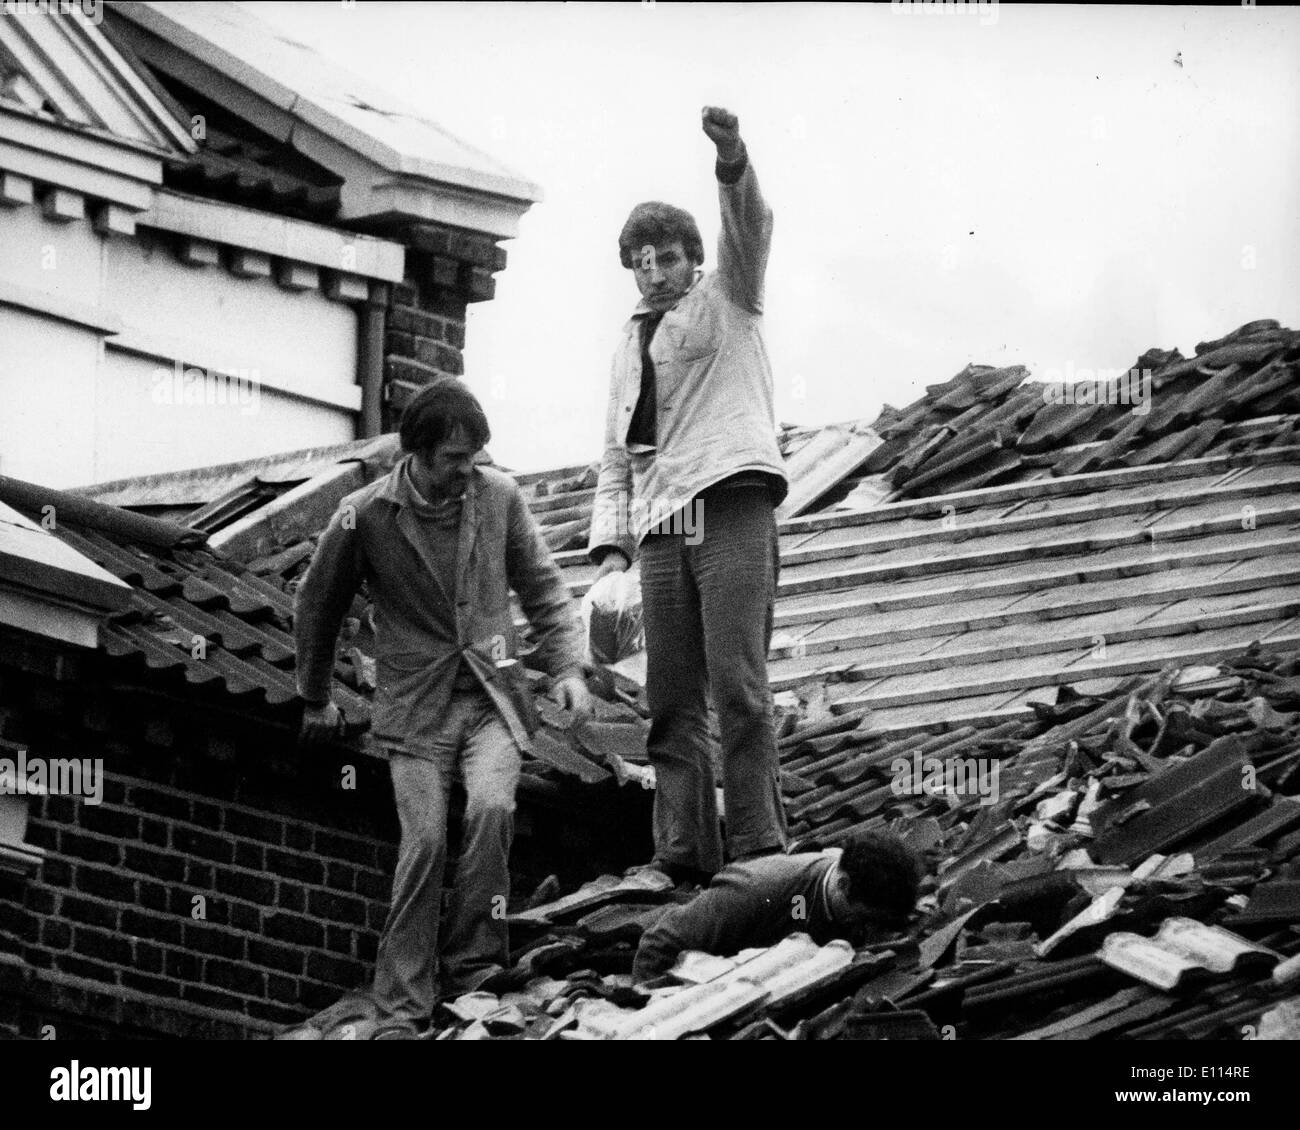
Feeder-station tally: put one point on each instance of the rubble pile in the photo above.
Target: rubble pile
(1135, 874)
(988, 425)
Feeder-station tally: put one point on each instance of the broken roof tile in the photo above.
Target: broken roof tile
(1179, 803)
(1182, 953)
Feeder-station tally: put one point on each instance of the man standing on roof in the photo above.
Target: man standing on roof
(440, 542)
(690, 478)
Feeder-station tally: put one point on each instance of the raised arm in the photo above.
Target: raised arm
(746, 219)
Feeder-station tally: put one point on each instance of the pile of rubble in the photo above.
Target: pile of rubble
(986, 425)
(1134, 873)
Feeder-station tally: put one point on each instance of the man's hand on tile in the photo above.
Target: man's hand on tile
(613, 562)
(573, 696)
(320, 724)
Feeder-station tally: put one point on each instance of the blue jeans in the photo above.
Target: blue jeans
(708, 625)
(474, 742)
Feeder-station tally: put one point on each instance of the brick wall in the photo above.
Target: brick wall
(243, 883)
(446, 270)
(204, 802)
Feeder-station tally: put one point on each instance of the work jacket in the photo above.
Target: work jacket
(713, 387)
(420, 639)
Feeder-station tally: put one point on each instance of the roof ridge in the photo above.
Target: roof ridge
(72, 509)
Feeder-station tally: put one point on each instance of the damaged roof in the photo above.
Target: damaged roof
(962, 606)
(1110, 885)
(194, 615)
(1109, 617)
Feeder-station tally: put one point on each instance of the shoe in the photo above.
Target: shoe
(505, 981)
(457, 984)
(396, 1030)
(300, 1032)
(678, 873)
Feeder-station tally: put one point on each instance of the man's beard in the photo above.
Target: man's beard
(451, 491)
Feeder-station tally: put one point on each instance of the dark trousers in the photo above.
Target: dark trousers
(475, 745)
(708, 624)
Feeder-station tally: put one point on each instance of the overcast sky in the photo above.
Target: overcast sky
(1058, 186)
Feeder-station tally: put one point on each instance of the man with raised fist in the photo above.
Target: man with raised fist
(690, 480)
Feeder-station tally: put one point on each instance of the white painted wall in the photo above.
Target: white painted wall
(79, 406)
(175, 424)
(47, 383)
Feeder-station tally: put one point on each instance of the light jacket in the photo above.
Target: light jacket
(713, 386)
(376, 536)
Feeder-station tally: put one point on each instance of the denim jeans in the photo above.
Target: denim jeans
(474, 743)
(708, 624)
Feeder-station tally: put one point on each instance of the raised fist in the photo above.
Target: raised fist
(723, 129)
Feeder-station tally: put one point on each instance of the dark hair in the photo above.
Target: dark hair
(439, 410)
(653, 224)
(884, 873)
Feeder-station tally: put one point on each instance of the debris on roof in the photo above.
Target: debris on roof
(1092, 613)
(1023, 930)
(208, 620)
(987, 425)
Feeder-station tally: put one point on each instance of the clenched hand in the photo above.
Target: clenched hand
(722, 127)
(572, 695)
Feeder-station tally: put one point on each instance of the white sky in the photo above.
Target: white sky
(1013, 184)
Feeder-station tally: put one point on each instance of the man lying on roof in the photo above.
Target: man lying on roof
(862, 892)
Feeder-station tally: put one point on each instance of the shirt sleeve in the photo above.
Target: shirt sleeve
(746, 235)
(543, 595)
(322, 601)
(723, 919)
(610, 518)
